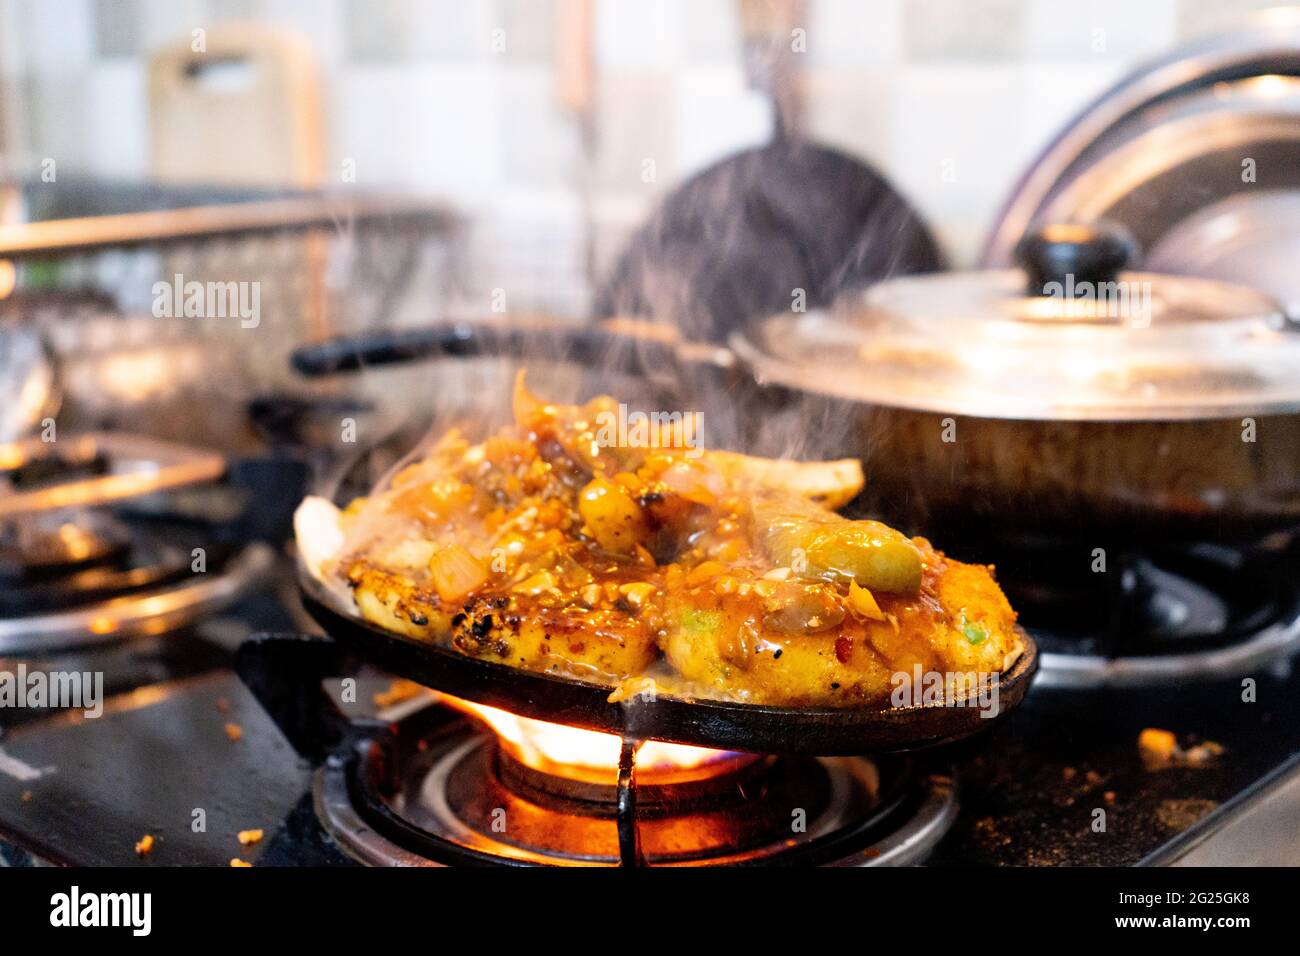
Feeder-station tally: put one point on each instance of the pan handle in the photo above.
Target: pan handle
(618, 342)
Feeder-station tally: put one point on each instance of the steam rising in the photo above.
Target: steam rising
(788, 226)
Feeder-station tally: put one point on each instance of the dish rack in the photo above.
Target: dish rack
(255, 276)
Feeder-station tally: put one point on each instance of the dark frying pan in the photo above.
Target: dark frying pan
(706, 723)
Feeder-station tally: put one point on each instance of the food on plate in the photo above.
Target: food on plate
(550, 548)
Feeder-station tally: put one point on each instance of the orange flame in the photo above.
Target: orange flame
(582, 754)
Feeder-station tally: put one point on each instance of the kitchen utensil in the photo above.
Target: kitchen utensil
(1195, 154)
(1163, 405)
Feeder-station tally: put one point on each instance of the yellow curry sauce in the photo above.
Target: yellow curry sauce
(713, 573)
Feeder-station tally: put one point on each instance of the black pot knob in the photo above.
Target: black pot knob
(1069, 254)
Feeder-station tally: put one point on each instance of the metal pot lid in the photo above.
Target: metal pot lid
(1191, 116)
(1095, 343)
(1252, 238)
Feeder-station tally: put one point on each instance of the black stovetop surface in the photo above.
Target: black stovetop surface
(1031, 787)
(160, 761)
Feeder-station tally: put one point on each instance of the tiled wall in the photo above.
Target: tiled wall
(950, 97)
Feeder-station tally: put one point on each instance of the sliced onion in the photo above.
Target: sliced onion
(456, 573)
(864, 602)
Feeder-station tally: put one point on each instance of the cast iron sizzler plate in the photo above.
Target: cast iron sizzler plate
(702, 722)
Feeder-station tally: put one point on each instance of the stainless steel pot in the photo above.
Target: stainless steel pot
(1069, 395)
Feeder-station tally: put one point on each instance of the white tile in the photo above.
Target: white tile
(530, 27)
(117, 28)
(380, 31)
(635, 139)
(163, 22)
(57, 35)
(533, 246)
(1198, 17)
(55, 112)
(717, 114)
(1056, 93)
(11, 39)
(853, 33)
(319, 21)
(430, 128)
(1099, 29)
(711, 31)
(948, 30)
(640, 34)
(851, 109)
(118, 119)
(956, 134)
(539, 140)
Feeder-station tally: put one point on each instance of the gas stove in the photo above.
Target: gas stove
(1126, 614)
(198, 743)
(433, 788)
(436, 790)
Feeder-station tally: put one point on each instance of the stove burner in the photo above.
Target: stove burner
(1199, 612)
(55, 465)
(146, 566)
(94, 469)
(56, 561)
(110, 603)
(415, 797)
(42, 546)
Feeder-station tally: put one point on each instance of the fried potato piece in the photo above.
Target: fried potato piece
(509, 629)
(546, 548)
(957, 624)
(830, 484)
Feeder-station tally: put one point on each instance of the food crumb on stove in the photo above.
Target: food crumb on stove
(1159, 749)
(223, 705)
(26, 796)
(249, 837)
(234, 732)
(1109, 798)
(237, 862)
(988, 834)
(398, 691)
(144, 846)
(1202, 753)
(1181, 814)
(1068, 774)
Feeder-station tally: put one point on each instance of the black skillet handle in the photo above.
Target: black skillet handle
(533, 339)
(285, 673)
